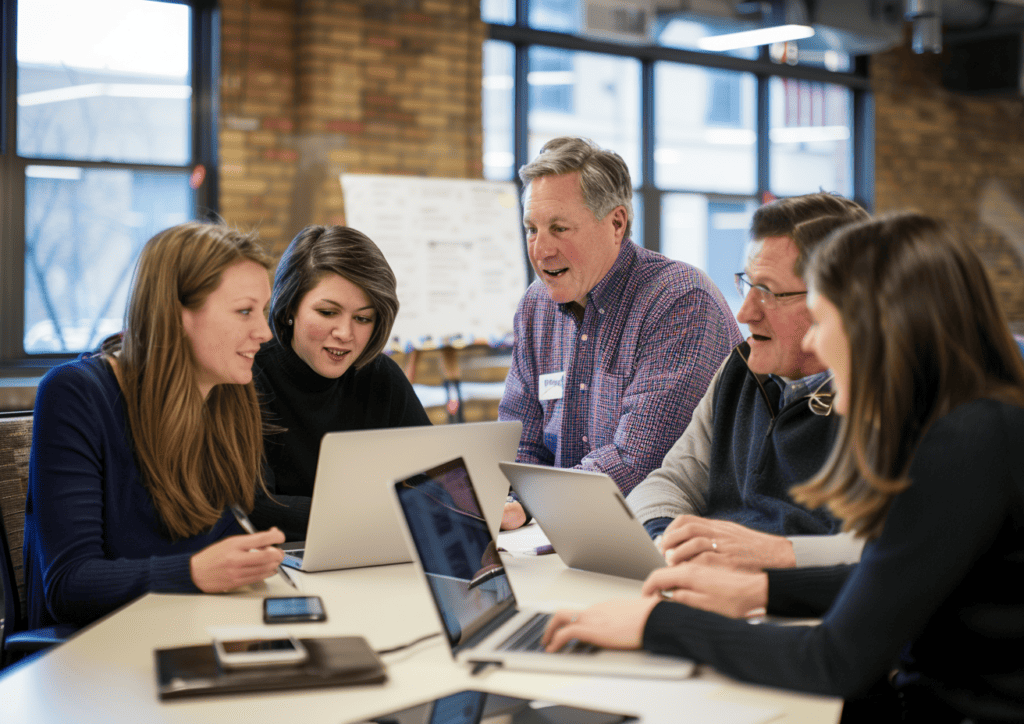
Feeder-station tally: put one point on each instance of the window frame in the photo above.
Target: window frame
(205, 73)
(522, 37)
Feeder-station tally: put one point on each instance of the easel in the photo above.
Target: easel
(451, 375)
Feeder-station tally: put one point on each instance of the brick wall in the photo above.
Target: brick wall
(935, 151)
(313, 88)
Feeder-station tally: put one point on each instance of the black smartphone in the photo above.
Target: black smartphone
(293, 609)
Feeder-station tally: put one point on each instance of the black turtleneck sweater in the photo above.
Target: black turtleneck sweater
(307, 405)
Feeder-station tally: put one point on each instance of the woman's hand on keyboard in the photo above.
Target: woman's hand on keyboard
(611, 625)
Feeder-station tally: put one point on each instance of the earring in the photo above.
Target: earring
(290, 320)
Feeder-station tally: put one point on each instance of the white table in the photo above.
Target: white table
(105, 673)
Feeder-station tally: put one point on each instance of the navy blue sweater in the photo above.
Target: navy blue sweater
(93, 541)
(759, 451)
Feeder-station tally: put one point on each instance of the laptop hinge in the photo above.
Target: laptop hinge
(497, 621)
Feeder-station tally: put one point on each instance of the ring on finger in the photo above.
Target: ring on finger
(714, 545)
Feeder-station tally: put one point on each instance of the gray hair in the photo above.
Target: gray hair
(604, 176)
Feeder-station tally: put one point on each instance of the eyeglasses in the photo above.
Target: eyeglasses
(766, 296)
(820, 401)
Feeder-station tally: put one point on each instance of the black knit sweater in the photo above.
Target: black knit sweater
(307, 405)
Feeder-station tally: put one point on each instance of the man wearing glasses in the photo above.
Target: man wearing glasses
(722, 494)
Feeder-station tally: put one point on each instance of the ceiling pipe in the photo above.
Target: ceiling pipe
(926, 17)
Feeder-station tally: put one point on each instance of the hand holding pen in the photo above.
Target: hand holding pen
(248, 527)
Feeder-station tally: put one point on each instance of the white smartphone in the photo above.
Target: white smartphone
(246, 653)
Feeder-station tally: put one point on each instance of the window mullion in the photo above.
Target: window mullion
(763, 136)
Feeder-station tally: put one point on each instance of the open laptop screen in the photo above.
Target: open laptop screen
(455, 548)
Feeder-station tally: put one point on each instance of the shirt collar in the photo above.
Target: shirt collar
(803, 387)
(607, 292)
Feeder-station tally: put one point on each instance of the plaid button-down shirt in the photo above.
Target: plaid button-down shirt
(653, 333)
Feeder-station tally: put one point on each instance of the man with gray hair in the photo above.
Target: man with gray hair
(614, 344)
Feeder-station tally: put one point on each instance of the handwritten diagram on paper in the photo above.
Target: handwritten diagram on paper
(456, 249)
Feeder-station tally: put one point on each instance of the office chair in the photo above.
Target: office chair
(15, 640)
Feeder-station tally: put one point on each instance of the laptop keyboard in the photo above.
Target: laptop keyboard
(528, 638)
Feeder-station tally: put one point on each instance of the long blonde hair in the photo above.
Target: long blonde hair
(926, 335)
(195, 455)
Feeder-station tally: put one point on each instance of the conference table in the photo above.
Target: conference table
(105, 673)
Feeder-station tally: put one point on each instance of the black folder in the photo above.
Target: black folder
(333, 661)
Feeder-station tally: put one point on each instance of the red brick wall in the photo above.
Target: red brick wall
(313, 88)
(935, 150)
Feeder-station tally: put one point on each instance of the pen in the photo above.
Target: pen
(540, 550)
(248, 527)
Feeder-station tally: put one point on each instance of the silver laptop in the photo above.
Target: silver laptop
(352, 519)
(457, 556)
(586, 519)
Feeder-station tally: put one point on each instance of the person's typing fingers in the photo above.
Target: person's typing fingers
(558, 619)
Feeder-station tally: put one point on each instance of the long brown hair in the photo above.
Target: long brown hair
(320, 250)
(196, 456)
(927, 334)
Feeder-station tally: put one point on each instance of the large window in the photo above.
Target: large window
(103, 147)
(707, 136)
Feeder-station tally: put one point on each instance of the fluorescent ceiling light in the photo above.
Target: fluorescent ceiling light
(809, 134)
(749, 38)
(113, 90)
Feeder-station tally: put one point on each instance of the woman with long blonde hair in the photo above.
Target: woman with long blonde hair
(928, 467)
(139, 449)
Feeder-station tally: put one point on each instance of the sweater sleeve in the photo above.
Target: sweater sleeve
(805, 591)
(826, 550)
(65, 513)
(933, 536)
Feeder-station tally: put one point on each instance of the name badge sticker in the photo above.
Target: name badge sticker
(550, 386)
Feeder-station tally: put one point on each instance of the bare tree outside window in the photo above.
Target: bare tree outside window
(104, 88)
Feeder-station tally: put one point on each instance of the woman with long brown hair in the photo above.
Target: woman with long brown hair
(334, 302)
(139, 449)
(929, 467)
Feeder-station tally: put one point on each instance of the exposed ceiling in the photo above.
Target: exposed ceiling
(856, 27)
